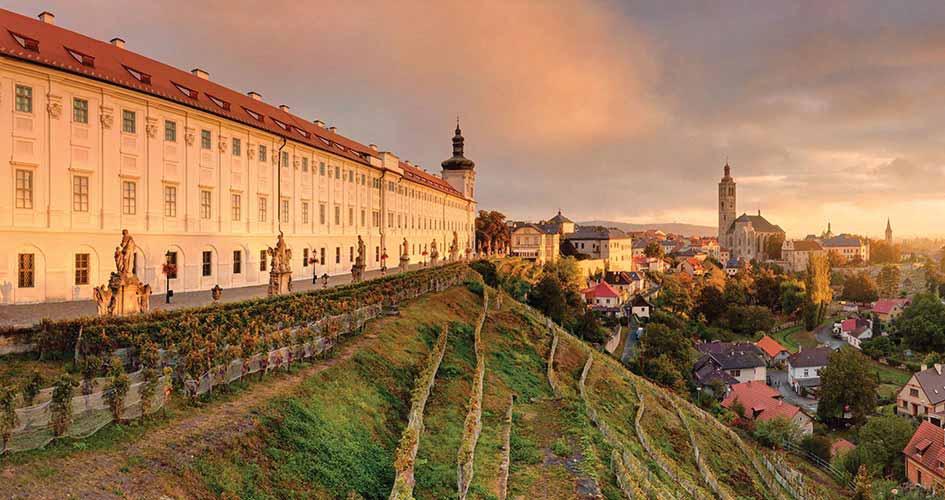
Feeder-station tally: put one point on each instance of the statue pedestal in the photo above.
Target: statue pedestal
(124, 295)
(357, 273)
(280, 282)
(404, 263)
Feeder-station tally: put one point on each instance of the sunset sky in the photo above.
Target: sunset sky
(609, 110)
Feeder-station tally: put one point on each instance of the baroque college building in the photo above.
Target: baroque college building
(745, 237)
(99, 139)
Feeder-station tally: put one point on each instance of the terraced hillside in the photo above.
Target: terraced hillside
(344, 432)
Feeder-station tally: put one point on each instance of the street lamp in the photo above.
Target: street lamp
(168, 269)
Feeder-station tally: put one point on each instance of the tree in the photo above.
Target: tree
(767, 289)
(882, 440)
(776, 432)
(819, 294)
(654, 250)
(492, 233)
(792, 296)
(863, 490)
(674, 294)
(664, 355)
(860, 288)
(922, 324)
(884, 253)
(846, 385)
(711, 304)
(747, 320)
(888, 280)
(836, 259)
(773, 247)
(589, 328)
(548, 297)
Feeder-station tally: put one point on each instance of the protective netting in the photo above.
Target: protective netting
(90, 412)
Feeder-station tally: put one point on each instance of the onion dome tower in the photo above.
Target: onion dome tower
(458, 170)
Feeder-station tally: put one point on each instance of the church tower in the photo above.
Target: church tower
(889, 238)
(726, 204)
(459, 171)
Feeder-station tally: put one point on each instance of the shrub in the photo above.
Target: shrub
(475, 287)
(8, 419)
(776, 432)
(33, 385)
(817, 445)
(89, 367)
(117, 388)
(61, 405)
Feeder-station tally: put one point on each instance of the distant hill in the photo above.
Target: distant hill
(669, 227)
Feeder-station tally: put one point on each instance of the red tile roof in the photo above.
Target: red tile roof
(68, 51)
(602, 289)
(770, 346)
(760, 400)
(841, 446)
(885, 306)
(927, 447)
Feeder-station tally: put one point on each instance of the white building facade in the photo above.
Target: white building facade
(99, 139)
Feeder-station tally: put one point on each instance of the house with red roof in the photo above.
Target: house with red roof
(925, 457)
(762, 402)
(773, 351)
(889, 309)
(604, 298)
(691, 266)
(841, 447)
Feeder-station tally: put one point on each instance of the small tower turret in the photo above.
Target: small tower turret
(889, 234)
(458, 170)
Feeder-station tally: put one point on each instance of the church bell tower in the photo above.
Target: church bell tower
(458, 170)
(726, 204)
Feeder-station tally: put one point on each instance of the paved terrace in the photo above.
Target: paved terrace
(23, 315)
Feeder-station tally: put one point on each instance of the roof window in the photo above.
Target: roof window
(26, 42)
(191, 93)
(253, 113)
(83, 59)
(140, 76)
(301, 132)
(219, 102)
(283, 126)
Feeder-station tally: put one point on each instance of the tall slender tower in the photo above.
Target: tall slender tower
(458, 170)
(726, 204)
(889, 238)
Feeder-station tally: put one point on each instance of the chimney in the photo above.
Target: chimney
(118, 42)
(47, 17)
(255, 95)
(199, 73)
(333, 130)
(938, 368)
(923, 367)
(284, 107)
(319, 123)
(373, 147)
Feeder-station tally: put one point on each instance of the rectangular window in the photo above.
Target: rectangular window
(337, 255)
(170, 201)
(237, 261)
(25, 270)
(350, 254)
(237, 147)
(80, 110)
(237, 207)
(375, 218)
(304, 212)
(262, 153)
(321, 168)
(363, 217)
(205, 204)
(351, 216)
(914, 393)
(337, 172)
(263, 204)
(321, 213)
(80, 193)
(304, 257)
(337, 215)
(81, 269)
(170, 258)
(129, 123)
(24, 99)
(262, 260)
(129, 198)
(285, 211)
(305, 164)
(207, 264)
(24, 189)
(170, 131)
(205, 139)
(322, 253)
(284, 163)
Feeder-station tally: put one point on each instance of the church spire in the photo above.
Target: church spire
(458, 161)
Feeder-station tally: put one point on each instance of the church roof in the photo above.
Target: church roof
(759, 223)
(597, 233)
(843, 240)
(559, 219)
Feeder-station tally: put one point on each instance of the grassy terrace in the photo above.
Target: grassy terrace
(794, 338)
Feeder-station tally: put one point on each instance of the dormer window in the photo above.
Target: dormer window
(252, 113)
(283, 126)
(26, 42)
(141, 77)
(219, 102)
(301, 132)
(189, 92)
(83, 59)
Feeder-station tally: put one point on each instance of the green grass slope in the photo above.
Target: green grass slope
(336, 437)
